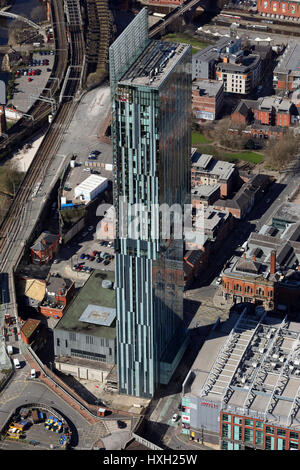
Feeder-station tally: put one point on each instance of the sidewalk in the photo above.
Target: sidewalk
(220, 302)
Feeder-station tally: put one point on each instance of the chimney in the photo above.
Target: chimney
(273, 262)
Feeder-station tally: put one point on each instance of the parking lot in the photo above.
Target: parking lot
(75, 253)
(81, 170)
(29, 87)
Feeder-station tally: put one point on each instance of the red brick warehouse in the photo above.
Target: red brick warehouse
(281, 8)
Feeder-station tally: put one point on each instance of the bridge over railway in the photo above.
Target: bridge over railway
(20, 18)
(185, 11)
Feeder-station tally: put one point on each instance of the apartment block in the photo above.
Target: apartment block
(208, 99)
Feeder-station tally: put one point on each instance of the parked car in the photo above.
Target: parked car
(121, 424)
(174, 418)
(94, 253)
(106, 262)
(92, 258)
(82, 256)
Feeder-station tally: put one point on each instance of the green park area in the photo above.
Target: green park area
(205, 145)
(196, 44)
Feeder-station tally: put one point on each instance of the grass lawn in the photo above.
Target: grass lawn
(198, 138)
(180, 37)
(251, 157)
(204, 145)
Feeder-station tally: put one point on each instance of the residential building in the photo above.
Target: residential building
(242, 391)
(58, 295)
(85, 336)
(206, 170)
(210, 228)
(244, 200)
(279, 9)
(208, 99)
(265, 117)
(205, 195)
(286, 75)
(45, 248)
(239, 73)
(204, 61)
(151, 109)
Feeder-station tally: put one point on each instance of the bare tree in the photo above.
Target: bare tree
(281, 152)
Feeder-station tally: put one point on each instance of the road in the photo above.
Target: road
(21, 391)
(200, 313)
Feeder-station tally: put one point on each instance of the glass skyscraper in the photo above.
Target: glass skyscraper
(151, 109)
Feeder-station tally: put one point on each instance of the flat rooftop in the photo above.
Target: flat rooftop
(208, 164)
(238, 266)
(91, 294)
(288, 211)
(204, 190)
(154, 64)
(207, 87)
(290, 60)
(251, 364)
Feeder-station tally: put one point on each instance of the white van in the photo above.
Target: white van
(32, 374)
(17, 363)
(10, 349)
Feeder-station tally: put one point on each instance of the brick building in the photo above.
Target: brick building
(209, 171)
(266, 117)
(242, 392)
(250, 280)
(286, 75)
(246, 197)
(205, 195)
(45, 248)
(278, 8)
(207, 99)
(33, 333)
(58, 295)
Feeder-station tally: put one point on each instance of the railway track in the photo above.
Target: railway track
(40, 110)
(13, 222)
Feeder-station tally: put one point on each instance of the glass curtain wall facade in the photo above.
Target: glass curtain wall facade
(151, 138)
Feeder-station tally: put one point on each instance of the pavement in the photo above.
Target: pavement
(26, 92)
(69, 255)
